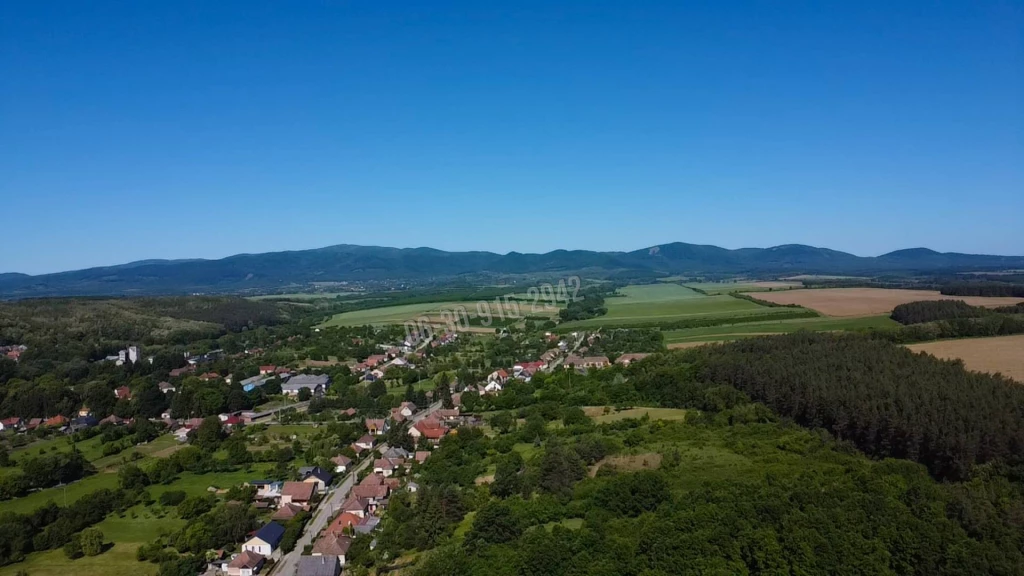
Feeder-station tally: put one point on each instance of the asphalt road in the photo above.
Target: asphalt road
(289, 563)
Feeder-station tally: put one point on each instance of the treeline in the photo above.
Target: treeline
(933, 310)
(991, 325)
(767, 303)
(717, 320)
(887, 400)
(51, 526)
(44, 471)
(591, 305)
(984, 289)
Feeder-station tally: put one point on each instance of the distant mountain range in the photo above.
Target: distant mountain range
(277, 270)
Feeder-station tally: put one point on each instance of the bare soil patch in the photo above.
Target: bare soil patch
(867, 301)
(1002, 354)
(649, 461)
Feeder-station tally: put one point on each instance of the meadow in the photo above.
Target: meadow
(733, 331)
(663, 302)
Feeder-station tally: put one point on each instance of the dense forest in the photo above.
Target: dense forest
(885, 399)
(984, 289)
(933, 310)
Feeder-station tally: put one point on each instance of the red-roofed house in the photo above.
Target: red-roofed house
(430, 429)
(56, 421)
(123, 393)
(345, 520)
(246, 564)
(12, 423)
(627, 359)
(264, 370)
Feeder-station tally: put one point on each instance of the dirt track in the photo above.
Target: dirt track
(844, 302)
(1003, 354)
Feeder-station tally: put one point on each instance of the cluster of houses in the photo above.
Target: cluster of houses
(62, 423)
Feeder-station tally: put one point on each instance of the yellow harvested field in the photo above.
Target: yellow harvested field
(868, 301)
(1003, 354)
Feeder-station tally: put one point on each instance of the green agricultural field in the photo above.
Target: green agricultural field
(731, 332)
(668, 302)
(434, 311)
(118, 561)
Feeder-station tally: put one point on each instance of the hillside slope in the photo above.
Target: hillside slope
(362, 263)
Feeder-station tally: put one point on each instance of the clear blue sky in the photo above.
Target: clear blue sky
(132, 130)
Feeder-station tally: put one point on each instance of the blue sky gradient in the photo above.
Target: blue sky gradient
(134, 130)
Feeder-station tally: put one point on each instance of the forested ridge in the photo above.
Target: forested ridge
(887, 400)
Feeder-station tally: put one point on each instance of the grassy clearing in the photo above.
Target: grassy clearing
(570, 523)
(118, 561)
(73, 492)
(629, 462)
(731, 332)
(597, 414)
(463, 528)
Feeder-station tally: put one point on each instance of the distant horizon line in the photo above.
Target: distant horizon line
(146, 261)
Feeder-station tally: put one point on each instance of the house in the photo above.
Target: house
(499, 376)
(344, 521)
(407, 409)
(264, 370)
(265, 540)
(457, 399)
(83, 422)
(246, 564)
(181, 434)
(387, 466)
(84, 411)
(315, 383)
(421, 456)
(366, 442)
(166, 387)
(209, 376)
(317, 476)
(232, 421)
(430, 429)
(114, 420)
(333, 544)
(367, 525)
(446, 415)
(396, 452)
(56, 422)
(412, 486)
(286, 512)
(357, 506)
(492, 387)
(182, 371)
(34, 423)
(375, 360)
(297, 492)
(349, 412)
(587, 362)
(267, 489)
(341, 463)
(627, 359)
(377, 426)
(322, 565)
(13, 423)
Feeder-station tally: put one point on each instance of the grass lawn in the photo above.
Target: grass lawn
(74, 491)
(463, 528)
(730, 332)
(526, 449)
(668, 302)
(597, 414)
(289, 430)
